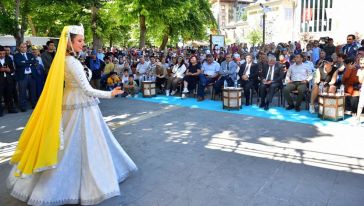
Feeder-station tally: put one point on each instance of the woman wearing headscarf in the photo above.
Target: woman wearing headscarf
(67, 154)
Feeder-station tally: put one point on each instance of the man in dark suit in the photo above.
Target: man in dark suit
(25, 72)
(248, 74)
(6, 82)
(272, 78)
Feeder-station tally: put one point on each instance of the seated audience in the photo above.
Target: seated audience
(131, 87)
(351, 84)
(176, 76)
(325, 75)
(209, 74)
(297, 78)
(191, 78)
(272, 79)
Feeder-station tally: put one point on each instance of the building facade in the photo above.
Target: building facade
(289, 20)
(329, 18)
(229, 15)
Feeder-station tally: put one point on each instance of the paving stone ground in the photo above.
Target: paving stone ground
(193, 157)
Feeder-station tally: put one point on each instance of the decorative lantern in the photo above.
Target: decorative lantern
(148, 88)
(231, 98)
(331, 107)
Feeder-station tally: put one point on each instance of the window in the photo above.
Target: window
(314, 15)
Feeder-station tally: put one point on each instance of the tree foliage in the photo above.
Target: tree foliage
(255, 37)
(122, 22)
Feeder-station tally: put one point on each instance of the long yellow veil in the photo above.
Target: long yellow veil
(40, 141)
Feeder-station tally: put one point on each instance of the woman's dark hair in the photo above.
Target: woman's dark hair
(72, 37)
(349, 61)
(182, 62)
(193, 56)
(342, 55)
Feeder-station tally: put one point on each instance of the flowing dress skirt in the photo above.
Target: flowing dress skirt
(90, 166)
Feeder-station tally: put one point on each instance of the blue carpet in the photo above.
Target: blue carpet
(279, 113)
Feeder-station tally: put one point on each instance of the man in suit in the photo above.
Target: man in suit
(6, 82)
(14, 94)
(272, 78)
(248, 74)
(25, 72)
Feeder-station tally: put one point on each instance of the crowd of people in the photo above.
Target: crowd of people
(317, 68)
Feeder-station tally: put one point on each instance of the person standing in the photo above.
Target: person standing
(40, 76)
(315, 56)
(350, 48)
(329, 48)
(14, 94)
(47, 56)
(67, 152)
(25, 71)
(360, 75)
(6, 82)
(94, 63)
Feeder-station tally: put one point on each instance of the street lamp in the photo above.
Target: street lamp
(265, 9)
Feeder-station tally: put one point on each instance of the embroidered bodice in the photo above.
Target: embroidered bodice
(78, 92)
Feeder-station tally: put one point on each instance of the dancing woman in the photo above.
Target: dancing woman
(66, 153)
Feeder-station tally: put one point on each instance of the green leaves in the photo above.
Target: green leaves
(116, 21)
(255, 37)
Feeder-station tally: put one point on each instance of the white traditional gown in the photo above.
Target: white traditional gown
(92, 162)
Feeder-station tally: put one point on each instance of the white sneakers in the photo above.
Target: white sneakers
(312, 109)
(173, 92)
(185, 90)
(167, 93)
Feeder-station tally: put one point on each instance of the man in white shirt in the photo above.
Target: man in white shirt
(141, 69)
(209, 74)
(297, 78)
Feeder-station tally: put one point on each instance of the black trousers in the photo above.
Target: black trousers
(351, 103)
(24, 85)
(159, 82)
(247, 85)
(219, 83)
(6, 92)
(269, 89)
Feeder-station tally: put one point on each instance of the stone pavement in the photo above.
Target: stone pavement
(205, 158)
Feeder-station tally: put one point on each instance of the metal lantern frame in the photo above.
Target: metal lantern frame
(331, 107)
(231, 98)
(149, 88)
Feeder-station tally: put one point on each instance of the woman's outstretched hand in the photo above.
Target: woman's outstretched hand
(116, 91)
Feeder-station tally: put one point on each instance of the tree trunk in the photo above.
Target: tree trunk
(110, 42)
(164, 42)
(97, 42)
(143, 31)
(30, 21)
(17, 31)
